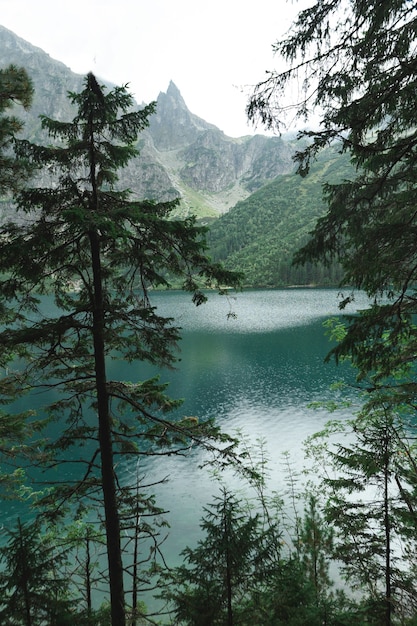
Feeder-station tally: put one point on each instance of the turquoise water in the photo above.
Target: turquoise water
(255, 372)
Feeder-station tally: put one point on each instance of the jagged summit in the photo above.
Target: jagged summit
(173, 91)
(173, 94)
(174, 126)
(180, 153)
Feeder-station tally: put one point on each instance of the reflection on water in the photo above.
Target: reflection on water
(257, 311)
(256, 372)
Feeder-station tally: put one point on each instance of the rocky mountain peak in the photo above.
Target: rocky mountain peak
(174, 126)
(174, 93)
(180, 153)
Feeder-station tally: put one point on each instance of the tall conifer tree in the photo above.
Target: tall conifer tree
(16, 92)
(98, 253)
(358, 64)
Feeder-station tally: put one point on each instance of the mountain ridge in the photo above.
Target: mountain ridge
(180, 153)
(245, 188)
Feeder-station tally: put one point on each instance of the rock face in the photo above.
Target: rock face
(174, 126)
(180, 154)
(52, 80)
(215, 162)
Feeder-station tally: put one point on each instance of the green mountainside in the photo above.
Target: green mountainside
(260, 235)
(260, 211)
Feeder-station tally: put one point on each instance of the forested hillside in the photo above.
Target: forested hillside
(260, 235)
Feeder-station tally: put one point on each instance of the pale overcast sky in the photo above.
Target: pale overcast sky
(214, 51)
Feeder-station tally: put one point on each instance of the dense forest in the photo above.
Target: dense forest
(260, 235)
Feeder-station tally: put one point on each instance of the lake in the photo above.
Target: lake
(255, 372)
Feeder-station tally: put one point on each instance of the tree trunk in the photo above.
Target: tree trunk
(387, 527)
(88, 573)
(25, 586)
(111, 513)
(228, 570)
(114, 552)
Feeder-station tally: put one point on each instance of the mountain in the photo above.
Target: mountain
(259, 211)
(260, 235)
(180, 154)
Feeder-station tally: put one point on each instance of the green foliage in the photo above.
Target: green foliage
(261, 234)
(359, 64)
(15, 88)
(17, 431)
(370, 490)
(251, 568)
(315, 547)
(95, 256)
(46, 576)
(221, 576)
(32, 590)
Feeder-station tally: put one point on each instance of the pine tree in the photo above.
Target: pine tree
(359, 66)
(315, 549)
(15, 89)
(97, 253)
(220, 577)
(368, 507)
(17, 430)
(33, 590)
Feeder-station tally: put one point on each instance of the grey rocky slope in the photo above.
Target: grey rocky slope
(180, 154)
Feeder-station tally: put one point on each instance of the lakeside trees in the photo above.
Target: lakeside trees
(225, 573)
(96, 253)
(33, 585)
(357, 64)
(15, 88)
(359, 70)
(16, 91)
(368, 494)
